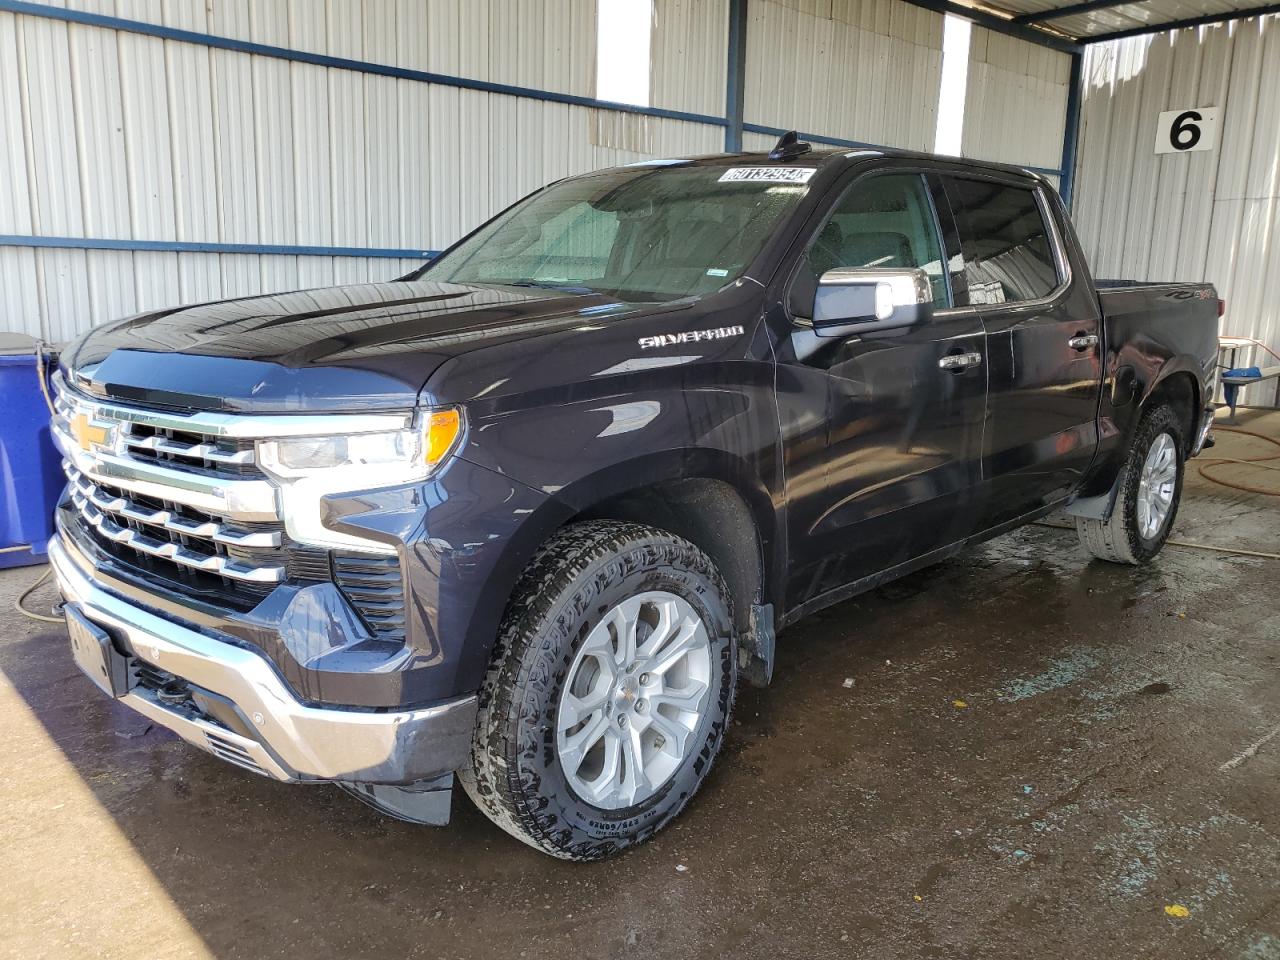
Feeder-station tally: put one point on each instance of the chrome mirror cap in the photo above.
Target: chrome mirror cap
(852, 300)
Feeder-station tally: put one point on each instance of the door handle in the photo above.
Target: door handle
(1083, 341)
(957, 362)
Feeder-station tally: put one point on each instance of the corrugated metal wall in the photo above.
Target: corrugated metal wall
(109, 134)
(1209, 215)
(689, 56)
(1015, 100)
(112, 135)
(869, 70)
(854, 69)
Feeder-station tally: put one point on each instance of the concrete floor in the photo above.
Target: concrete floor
(1017, 753)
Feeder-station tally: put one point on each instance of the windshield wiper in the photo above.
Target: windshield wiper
(546, 284)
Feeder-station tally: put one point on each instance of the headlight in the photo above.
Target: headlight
(387, 459)
(310, 468)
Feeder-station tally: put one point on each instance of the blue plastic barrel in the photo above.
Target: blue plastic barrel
(30, 466)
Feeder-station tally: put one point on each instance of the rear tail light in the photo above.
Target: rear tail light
(1222, 306)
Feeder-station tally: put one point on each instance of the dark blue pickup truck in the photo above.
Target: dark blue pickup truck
(530, 514)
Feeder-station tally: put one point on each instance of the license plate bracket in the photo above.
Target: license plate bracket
(96, 655)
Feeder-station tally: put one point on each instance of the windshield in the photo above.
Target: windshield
(642, 233)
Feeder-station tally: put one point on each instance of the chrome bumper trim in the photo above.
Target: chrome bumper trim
(294, 741)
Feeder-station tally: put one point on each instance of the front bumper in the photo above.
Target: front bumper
(240, 710)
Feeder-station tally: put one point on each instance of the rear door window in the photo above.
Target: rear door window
(1004, 240)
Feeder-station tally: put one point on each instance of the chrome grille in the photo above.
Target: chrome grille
(181, 498)
(222, 457)
(178, 534)
(169, 447)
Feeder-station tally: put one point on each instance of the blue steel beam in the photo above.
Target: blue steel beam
(1071, 129)
(736, 76)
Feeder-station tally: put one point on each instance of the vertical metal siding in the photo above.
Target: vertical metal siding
(1211, 215)
(854, 69)
(1015, 100)
(18, 270)
(112, 135)
(109, 134)
(689, 55)
(546, 44)
(870, 70)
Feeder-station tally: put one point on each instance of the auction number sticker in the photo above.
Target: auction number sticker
(768, 174)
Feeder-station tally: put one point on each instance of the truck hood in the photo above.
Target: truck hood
(362, 347)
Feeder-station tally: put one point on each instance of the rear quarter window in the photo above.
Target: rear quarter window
(1004, 241)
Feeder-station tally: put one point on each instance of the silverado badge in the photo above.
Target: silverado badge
(689, 336)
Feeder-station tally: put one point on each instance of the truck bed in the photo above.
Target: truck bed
(1146, 321)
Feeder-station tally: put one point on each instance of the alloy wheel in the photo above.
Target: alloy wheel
(636, 692)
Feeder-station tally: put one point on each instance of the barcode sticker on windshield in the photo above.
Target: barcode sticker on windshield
(768, 174)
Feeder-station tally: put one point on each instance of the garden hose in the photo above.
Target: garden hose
(31, 614)
(42, 375)
(41, 348)
(1205, 463)
(1230, 551)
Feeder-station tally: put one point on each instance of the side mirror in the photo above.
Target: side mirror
(852, 300)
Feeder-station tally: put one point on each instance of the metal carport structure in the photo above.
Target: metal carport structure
(291, 145)
(1069, 27)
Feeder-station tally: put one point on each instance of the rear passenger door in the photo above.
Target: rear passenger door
(1043, 356)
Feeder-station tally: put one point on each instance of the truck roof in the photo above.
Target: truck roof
(831, 156)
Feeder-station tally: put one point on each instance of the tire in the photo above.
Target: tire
(582, 583)
(1122, 538)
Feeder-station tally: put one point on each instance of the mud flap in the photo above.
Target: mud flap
(755, 649)
(426, 802)
(1096, 508)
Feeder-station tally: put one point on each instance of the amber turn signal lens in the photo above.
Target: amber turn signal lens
(443, 429)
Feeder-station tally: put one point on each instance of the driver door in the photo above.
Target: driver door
(903, 434)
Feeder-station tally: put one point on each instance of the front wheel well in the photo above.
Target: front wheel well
(712, 516)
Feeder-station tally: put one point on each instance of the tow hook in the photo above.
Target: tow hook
(174, 691)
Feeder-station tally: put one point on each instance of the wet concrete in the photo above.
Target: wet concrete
(1017, 753)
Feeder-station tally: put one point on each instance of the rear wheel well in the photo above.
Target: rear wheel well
(1181, 392)
(712, 516)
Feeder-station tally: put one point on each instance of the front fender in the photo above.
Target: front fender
(589, 442)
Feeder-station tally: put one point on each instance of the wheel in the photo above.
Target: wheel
(609, 691)
(1150, 488)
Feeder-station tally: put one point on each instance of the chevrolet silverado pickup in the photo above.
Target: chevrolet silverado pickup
(529, 514)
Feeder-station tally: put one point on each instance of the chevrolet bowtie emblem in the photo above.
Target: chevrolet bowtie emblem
(87, 433)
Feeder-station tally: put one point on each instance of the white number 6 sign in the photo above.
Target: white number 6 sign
(1182, 131)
